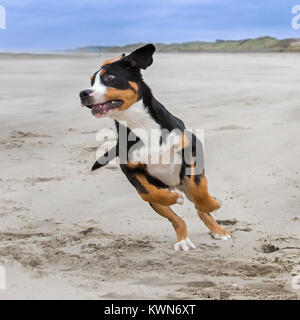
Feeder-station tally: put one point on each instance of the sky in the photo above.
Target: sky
(45, 25)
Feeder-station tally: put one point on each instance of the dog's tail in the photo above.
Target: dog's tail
(106, 158)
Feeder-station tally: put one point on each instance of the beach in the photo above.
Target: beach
(69, 233)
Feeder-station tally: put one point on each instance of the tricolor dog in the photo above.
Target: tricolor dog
(148, 134)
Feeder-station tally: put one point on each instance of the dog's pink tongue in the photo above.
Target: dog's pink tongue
(98, 107)
(98, 110)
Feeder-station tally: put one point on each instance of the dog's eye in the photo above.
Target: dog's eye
(109, 77)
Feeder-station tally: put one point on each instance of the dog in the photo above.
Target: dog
(118, 91)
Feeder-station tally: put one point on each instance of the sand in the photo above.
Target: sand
(68, 233)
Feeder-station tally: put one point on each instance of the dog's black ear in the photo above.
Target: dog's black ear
(142, 57)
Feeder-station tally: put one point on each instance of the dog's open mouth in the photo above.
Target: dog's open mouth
(102, 109)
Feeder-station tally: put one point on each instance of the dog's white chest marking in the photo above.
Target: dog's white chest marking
(168, 174)
(138, 120)
(165, 164)
(163, 161)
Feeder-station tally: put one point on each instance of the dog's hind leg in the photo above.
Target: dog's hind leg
(183, 242)
(199, 192)
(195, 187)
(150, 189)
(216, 230)
(160, 197)
(153, 193)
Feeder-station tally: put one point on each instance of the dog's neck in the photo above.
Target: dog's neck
(138, 118)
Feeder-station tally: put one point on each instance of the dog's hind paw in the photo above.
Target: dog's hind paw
(184, 245)
(219, 237)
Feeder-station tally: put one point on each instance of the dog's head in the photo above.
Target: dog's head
(117, 85)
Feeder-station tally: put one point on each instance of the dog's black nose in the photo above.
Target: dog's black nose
(85, 93)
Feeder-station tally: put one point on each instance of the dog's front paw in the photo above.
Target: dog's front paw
(223, 236)
(184, 245)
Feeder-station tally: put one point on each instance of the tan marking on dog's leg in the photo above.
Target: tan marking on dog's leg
(178, 223)
(204, 201)
(217, 231)
(183, 242)
(162, 196)
(205, 204)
